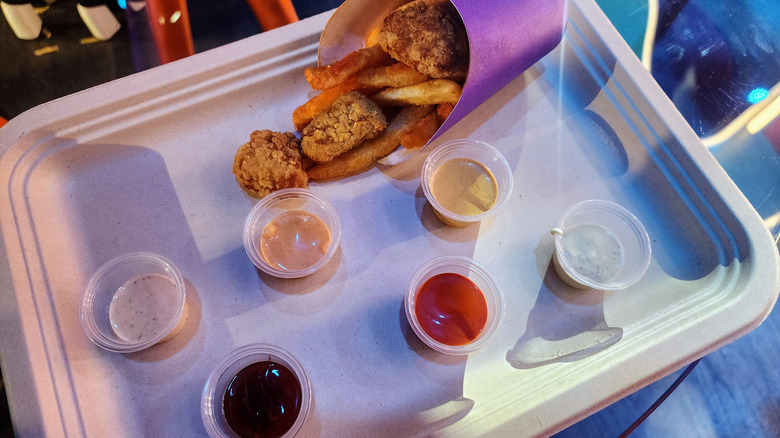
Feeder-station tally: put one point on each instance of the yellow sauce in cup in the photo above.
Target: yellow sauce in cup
(464, 187)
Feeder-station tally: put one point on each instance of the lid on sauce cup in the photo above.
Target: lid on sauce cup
(505, 37)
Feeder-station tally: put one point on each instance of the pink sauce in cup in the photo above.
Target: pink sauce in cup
(294, 240)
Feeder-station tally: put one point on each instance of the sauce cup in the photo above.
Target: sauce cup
(270, 209)
(479, 276)
(212, 408)
(478, 153)
(133, 302)
(600, 245)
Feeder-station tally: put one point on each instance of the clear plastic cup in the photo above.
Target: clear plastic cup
(277, 203)
(600, 245)
(158, 288)
(212, 399)
(494, 299)
(477, 151)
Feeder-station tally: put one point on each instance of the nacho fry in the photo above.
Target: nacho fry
(305, 113)
(424, 93)
(393, 75)
(422, 131)
(328, 76)
(364, 155)
(443, 110)
(373, 37)
(419, 134)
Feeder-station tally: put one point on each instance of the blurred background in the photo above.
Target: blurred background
(66, 58)
(717, 60)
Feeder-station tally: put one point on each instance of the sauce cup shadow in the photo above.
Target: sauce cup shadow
(565, 325)
(435, 227)
(429, 421)
(305, 285)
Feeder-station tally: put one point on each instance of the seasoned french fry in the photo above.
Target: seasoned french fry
(394, 75)
(423, 130)
(443, 110)
(364, 155)
(372, 37)
(328, 76)
(306, 112)
(424, 93)
(419, 134)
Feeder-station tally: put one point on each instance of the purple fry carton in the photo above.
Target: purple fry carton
(505, 37)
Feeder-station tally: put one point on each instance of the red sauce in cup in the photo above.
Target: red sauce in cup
(451, 309)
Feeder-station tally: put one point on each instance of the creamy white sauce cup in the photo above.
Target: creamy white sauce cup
(600, 245)
(133, 302)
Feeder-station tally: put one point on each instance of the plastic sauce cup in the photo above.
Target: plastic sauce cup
(277, 203)
(103, 288)
(494, 299)
(586, 239)
(483, 154)
(212, 398)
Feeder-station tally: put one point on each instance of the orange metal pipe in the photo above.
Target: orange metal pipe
(170, 23)
(273, 13)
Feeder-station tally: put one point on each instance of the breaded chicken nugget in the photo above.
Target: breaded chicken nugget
(428, 35)
(270, 161)
(350, 120)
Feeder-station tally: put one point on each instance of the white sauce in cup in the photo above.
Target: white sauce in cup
(143, 307)
(593, 251)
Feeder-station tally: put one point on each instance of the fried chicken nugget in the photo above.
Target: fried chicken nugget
(361, 157)
(350, 120)
(428, 35)
(270, 161)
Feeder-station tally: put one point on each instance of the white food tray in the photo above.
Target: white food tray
(144, 163)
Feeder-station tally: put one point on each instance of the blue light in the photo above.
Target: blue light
(757, 95)
(122, 3)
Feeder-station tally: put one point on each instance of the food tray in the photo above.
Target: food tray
(144, 164)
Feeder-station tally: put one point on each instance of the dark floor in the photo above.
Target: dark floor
(734, 391)
(6, 431)
(27, 79)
